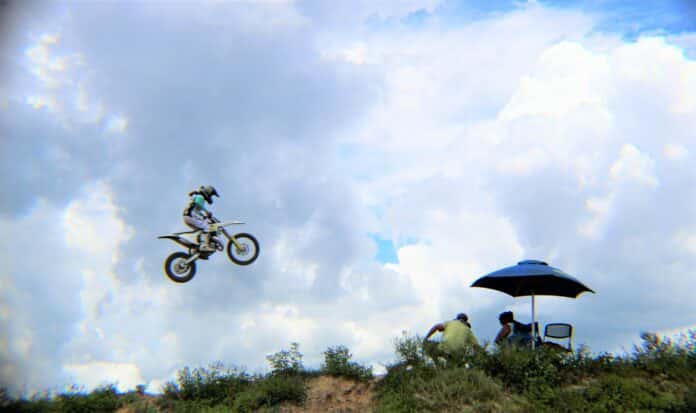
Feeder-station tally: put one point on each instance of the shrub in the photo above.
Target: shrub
(337, 363)
(271, 391)
(673, 358)
(428, 389)
(286, 362)
(613, 393)
(522, 369)
(36, 405)
(212, 385)
(409, 350)
(102, 399)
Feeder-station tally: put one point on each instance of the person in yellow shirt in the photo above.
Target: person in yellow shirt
(457, 338)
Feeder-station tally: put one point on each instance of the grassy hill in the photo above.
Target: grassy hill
(658, 376)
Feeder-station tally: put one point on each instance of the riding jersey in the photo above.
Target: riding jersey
(196, 207)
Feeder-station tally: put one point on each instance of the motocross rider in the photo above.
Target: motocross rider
(195, 214)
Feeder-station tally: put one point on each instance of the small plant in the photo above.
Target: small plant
(101, 399)
(455, 389)
(522, 369)
(337, 363)
(286, 362)
(662, 355)
(212, 385)
(271, 391)
(409, 350)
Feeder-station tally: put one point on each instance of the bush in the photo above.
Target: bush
(271, 391)
(414, 384)
(35, 405)
(522, 369)
(286, 362)
(428, 389)
(409, 350)
(674, 359)
(337, 363)
(212, 385)
(615, 394)
(102, 399)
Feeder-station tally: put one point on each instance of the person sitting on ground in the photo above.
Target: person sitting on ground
(457, 337)
(512, 332)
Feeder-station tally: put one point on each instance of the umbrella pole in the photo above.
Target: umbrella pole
(533, 322)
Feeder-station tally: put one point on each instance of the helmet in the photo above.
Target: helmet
(208, 192)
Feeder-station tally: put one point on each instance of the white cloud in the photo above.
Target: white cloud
(63, 83)
(600, 209)
(633, 165)
(675, 152)
(97, 373)
(117, 124)
(568, 77)
(92, 224)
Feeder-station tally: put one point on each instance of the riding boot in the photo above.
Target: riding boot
(205, 244)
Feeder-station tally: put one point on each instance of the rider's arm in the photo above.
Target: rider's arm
(502, 334)
(436, 327)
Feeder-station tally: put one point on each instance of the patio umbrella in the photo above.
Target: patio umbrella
(532, 277)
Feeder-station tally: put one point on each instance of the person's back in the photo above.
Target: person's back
(456, 337)
(521, 333)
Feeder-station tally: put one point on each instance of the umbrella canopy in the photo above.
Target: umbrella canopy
(532, 277)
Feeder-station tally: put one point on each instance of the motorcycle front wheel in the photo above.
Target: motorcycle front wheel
(248, 251)
(176, 268)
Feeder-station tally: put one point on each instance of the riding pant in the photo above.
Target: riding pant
(196, 222)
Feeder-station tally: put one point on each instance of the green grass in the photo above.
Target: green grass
(657, 376)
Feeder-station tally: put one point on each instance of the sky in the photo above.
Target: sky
(385, 154)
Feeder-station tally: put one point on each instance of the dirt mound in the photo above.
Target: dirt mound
(325, 394)
(333, 395)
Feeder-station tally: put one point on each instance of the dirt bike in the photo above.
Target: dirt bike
(242, 249)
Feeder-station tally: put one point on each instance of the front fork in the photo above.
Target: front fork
(231, 238)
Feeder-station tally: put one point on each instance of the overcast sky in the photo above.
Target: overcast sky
(386, 154)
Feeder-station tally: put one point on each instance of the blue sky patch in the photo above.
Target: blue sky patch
(634, 18)
(417, 18)
(629, 17)
(386, 253)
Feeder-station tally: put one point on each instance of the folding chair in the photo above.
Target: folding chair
(560, 331)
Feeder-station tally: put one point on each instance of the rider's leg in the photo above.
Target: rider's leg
(201, 225)
(206, 245)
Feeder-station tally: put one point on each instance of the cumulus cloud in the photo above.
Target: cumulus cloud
(524, 134)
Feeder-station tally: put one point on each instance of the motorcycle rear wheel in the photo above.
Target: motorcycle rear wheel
(176, 268)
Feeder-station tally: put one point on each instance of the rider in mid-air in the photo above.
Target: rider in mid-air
(195, 214)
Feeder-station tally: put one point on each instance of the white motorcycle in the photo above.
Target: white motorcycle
(242, 249)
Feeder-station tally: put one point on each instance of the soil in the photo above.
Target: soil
(327, 394)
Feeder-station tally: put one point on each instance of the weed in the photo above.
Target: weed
(337, 363)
